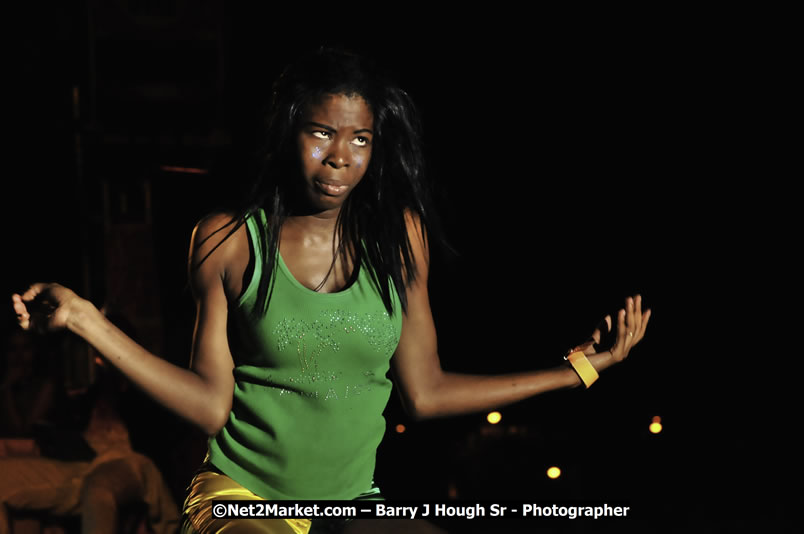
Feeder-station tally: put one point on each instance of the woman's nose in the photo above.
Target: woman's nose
(338, 156)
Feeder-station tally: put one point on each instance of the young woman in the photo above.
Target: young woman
(304, 300)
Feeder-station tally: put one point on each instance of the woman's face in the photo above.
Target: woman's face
(335, 149)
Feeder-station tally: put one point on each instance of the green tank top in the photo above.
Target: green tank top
(310, 387)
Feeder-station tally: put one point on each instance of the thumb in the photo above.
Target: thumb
(602, 329)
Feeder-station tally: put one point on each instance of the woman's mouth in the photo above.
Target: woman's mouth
(330, 188)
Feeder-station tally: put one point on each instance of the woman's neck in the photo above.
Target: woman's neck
(316, 229)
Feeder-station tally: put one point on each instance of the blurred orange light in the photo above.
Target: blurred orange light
(400, 428)
(656, 425)
(183, 170)
(553, 472)
(494, 417)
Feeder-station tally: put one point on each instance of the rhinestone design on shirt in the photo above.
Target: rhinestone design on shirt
(310, 339)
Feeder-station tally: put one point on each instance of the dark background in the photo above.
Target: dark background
(578, 158)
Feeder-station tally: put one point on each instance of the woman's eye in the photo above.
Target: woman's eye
(321, 134)
(360, 141)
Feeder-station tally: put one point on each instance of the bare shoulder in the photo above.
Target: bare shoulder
(218, 250)
(215, 232)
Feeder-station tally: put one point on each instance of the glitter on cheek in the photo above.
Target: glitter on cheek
(358, 162)
(317, 153)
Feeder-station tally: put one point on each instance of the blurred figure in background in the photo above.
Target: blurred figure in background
(27, 386)
(82, 462)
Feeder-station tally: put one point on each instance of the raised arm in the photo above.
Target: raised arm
(201, 394)
(428, 391)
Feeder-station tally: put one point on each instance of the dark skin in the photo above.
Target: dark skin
(334, 144)
(335, 149)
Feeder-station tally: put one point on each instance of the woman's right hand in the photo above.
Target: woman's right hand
(45, 307)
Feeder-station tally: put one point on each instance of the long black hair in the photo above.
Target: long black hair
(372, 224)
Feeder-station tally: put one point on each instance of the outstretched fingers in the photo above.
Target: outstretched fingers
(34, 291)
(24, 306)
(643, 327)
(620, 349)
(641, 319)
(23, 317)
(631, 326)
(630, 318)
(588, 348)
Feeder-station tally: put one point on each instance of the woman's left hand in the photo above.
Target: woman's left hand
(631, 326)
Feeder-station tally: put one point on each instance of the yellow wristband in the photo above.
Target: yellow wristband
(585, 371)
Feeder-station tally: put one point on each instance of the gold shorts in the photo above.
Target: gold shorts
(210, 485)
